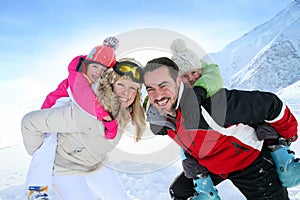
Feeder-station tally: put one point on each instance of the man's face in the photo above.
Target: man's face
(162, 90)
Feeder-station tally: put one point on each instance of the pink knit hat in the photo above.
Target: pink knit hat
(104, 54)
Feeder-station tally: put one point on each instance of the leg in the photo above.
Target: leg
(260, 180)
(41, 165)
(106, 184)
(72, 187)
(287, 166)
(182, 187)
(205, 189)
(39, 175)
(203, 183)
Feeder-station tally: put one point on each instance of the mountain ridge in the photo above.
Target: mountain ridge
(265, 58)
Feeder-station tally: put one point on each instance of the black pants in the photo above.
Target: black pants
(259, 181)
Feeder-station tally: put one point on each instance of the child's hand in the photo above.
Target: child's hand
(101, 113)
(107, 118)
(111, 129)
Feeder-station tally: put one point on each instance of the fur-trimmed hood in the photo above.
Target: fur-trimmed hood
(103, 89)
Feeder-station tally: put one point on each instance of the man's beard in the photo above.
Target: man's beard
(170, 111)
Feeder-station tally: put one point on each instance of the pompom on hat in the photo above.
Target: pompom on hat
(104, 54)
(185, 58)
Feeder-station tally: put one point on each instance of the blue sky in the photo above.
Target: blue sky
(38, 38)
(31, 30)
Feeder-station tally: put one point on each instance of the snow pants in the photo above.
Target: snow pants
(103, 184)
(259, 181)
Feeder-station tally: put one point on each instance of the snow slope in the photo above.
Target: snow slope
(266, 58)
(152, 185)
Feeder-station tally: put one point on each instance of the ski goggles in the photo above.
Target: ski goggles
(130, 69)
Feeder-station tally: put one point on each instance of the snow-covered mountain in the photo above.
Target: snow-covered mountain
(293, 90)
(267, 57)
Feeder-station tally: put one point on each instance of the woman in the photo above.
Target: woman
(84, 70)
(81, 142)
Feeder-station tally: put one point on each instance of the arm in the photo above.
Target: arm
(285, 124)
(211, 79)
(82, 94)
(61, 90)
(253, 107)
(52, 97)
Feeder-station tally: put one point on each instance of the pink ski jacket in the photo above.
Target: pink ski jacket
(78, 87)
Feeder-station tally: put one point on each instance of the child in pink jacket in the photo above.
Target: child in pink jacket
(78, 84)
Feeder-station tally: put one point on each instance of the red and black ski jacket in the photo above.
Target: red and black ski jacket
(217, 131)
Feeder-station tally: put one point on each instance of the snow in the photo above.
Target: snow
(151, 185)
(266, 58)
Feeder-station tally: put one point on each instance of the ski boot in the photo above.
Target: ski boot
(205, 189)
(38, 193)
(287, 166)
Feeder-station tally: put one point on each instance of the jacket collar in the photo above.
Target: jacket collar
(180, 92)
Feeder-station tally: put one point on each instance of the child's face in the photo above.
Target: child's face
(126, 90)
(191, 77)
(94, 71)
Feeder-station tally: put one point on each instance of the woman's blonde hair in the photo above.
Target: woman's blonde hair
(111, 103)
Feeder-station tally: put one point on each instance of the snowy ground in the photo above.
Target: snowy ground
(145, 186)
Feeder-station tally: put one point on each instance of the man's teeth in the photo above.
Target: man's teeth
(162, 102)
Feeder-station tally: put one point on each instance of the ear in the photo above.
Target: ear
(179, 80)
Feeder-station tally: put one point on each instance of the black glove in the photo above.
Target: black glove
(265, 131)
(192, 169)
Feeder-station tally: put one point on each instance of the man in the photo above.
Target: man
(217, 130)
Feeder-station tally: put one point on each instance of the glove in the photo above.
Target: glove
(111, 129)
(192, 169)
(265, 131)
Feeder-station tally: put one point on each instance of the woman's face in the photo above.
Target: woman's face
(94, 71)
(126, 90)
